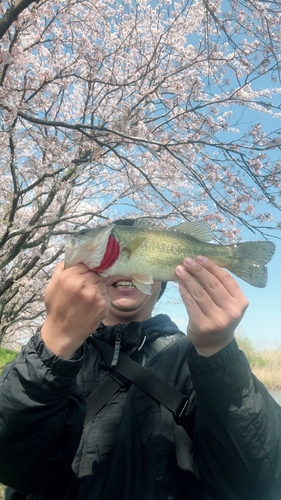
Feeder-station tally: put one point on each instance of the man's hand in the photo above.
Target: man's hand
(215, 305)
(76, 301)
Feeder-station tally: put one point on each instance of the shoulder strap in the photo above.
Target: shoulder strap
(99, 396)
(140, 376)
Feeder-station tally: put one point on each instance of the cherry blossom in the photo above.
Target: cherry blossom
(168, 110)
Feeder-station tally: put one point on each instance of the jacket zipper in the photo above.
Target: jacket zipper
(117, 347)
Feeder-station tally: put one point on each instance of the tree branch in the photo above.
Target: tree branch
(12, 14)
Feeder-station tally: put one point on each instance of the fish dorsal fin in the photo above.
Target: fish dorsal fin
(198, 230)
(136, 223)
(133, 246)
(144, 224)
(143, 282)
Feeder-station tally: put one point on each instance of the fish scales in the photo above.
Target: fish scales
(160, 254)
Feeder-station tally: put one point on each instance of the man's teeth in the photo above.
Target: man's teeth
(124, 283)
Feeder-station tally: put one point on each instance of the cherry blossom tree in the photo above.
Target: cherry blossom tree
(168, 110)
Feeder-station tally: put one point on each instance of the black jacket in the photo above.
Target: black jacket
(133, 449)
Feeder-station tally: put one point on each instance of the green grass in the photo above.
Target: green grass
(5, 357)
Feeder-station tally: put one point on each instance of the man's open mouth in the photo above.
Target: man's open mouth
(123, 284)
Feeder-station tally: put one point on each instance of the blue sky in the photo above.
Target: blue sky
(262, 320)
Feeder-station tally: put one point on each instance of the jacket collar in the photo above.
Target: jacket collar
(134, 334)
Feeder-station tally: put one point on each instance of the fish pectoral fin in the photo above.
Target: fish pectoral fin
(143, 283)
(144, 278)
(133, 246)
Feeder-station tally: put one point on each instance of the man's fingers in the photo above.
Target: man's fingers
(224, 277)
(216, 281)
(80, 270)
(58, 269)
(188, 300)
(214, 290)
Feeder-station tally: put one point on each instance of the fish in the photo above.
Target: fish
(144, 253)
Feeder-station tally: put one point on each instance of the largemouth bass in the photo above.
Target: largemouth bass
(146, 254)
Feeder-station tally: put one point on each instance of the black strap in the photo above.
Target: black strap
(99, 396)
(140, 376)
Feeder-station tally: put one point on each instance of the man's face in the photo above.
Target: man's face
(127, 302)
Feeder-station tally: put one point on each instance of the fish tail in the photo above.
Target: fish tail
(250, 259)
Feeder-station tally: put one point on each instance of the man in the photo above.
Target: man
(228, 448)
